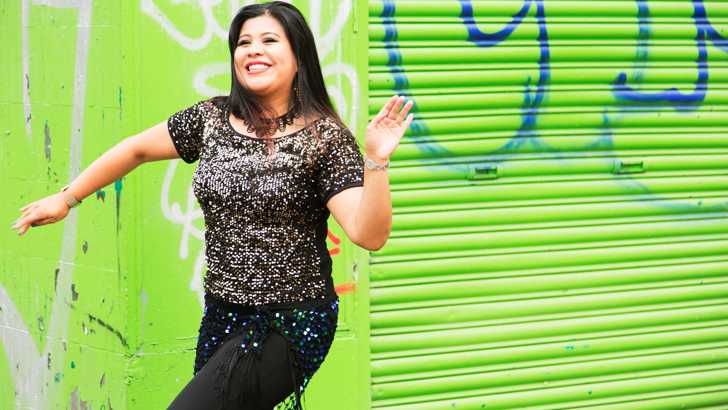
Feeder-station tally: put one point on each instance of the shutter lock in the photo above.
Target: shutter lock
(483, 171)
(628, 167)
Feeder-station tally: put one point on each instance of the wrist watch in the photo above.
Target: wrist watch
(375, 166)
(71, 200)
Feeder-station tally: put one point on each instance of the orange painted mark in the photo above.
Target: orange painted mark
(333, 238)
(345, 288)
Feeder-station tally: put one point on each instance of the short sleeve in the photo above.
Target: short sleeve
(186, 127)
(341, 165)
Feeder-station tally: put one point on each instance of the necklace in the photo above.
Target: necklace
(279, 123)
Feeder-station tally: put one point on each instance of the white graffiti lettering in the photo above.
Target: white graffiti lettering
(31, 372)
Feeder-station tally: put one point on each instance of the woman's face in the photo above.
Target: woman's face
(264, 61)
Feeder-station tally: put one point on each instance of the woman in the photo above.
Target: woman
(275, 161)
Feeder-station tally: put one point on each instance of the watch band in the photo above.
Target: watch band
(71, 200)
(375, 166)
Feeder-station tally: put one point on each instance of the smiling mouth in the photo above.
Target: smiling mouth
(255, 68)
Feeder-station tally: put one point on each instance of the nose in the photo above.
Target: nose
(254, 49)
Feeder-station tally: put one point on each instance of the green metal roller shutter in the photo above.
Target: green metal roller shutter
(560, 235)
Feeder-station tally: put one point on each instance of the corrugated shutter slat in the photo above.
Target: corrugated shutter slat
(559, 238)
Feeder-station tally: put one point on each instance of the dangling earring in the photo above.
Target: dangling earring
(298, 102)
(299, 97)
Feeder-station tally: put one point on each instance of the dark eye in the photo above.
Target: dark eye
(270, 40)
(243, 42)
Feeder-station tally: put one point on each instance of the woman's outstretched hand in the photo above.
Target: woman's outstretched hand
(387, 128)
(44, 211)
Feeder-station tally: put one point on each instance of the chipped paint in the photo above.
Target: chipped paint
(111, 329)
(56, 353)
(47, 134)
(28, 363)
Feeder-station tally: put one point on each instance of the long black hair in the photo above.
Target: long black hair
(310, 98)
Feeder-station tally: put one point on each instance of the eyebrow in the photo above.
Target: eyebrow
(262, 34)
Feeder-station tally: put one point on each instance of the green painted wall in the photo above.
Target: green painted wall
(560, 203)
(559, 237)
(101, 311)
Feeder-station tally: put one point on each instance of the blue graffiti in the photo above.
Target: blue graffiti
(394, 60)
(703, 24)
(537, 90)
(485, 39)
(401, 85)
(672, 96)
(534, 97)
(643, 38)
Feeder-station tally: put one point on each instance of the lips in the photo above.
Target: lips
(255, 67)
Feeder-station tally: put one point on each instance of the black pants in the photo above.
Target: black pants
(273, 369)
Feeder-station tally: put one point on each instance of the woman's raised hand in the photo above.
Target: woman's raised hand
(44, 211)
(387, 128)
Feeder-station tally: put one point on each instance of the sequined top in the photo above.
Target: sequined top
(265, 216)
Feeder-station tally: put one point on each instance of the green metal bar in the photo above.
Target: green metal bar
(473, 337)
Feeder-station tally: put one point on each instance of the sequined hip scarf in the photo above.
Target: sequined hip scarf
(308, 328)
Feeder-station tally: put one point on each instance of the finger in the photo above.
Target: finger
(27, 212)
(26, 207)
(28, 219)
(45, 221)
(20, 223)
(25, 223)
(393, 113)
(405, 110)
(388, 106)
(408, 121)
(23, 230)
(18, 227)
(385, 110)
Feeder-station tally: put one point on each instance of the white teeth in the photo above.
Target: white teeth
(257, 68)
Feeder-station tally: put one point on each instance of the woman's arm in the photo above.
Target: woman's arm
(149, 145)
(365, 213)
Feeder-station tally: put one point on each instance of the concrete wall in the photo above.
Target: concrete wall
(560, 203)
(101, 310)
